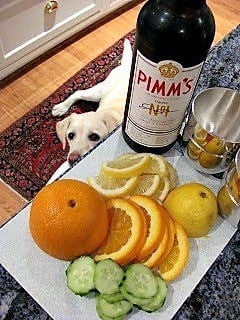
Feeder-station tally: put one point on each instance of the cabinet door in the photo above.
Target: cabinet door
(110, 5)
(26, 26)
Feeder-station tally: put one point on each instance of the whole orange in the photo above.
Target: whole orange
(68, 218)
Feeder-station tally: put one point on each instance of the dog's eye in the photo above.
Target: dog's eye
(71, 135)
(94, 137)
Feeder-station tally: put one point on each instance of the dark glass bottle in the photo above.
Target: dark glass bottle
(172, 41)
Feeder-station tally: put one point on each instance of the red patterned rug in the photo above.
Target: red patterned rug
(30, 151)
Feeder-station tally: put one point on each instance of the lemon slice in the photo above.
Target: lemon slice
(147, 184)
(126, 155)
(162, 190)
(200, 135)
(126, 168)
(157, 164)
(172, 176)
(110, 187)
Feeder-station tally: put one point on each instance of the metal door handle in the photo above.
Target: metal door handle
(51, 6)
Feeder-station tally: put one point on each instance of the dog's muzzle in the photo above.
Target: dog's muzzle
(73, 157)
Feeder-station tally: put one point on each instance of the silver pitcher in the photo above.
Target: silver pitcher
(211, 135)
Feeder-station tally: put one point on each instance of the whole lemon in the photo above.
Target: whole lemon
(193, 150)
(194, 207)
(229, 195)
(211, 158)
(225, 202)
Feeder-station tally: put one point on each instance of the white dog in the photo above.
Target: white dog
(83, 131)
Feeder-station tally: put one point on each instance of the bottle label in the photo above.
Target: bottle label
(159, 97)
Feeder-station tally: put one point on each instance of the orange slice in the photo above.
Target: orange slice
(144, 232)
(152, 260)
(171, 234)
(177, 258)
(155, 223)
(127, 232)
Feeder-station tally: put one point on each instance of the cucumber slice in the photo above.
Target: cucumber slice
(134, 300)
(80, 275)
(159, 299)
(108, 276)
(140, 281)
(113, 310)
(114, 297)
(103, 317)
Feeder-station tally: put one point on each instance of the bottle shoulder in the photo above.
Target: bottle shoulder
(167, 31)
(177, 24)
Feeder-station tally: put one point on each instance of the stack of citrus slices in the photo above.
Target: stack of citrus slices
(135, 173)
(141, 230)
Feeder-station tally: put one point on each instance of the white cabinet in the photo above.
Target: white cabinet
(27, 28)
(114, 4)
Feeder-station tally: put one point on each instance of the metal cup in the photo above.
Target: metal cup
(228, 196)
(211, 135)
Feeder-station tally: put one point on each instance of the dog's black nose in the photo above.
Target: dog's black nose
(73, 157)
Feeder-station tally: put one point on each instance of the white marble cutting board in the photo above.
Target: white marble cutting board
(43, 277)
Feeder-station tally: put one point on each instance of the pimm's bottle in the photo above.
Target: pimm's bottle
(172, 41)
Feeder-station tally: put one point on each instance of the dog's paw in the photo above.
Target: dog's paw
(59, 109)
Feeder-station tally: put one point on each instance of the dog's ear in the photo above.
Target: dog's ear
(61, 129)
(111, 120)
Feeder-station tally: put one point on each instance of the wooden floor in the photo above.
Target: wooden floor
(31, 88)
